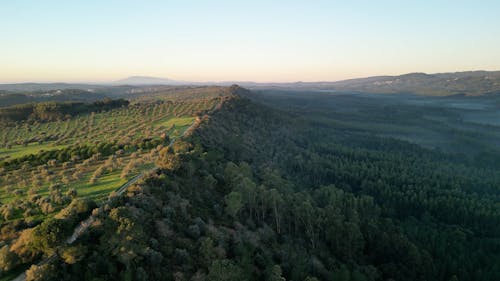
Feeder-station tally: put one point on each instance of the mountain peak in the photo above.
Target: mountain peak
(146, 80)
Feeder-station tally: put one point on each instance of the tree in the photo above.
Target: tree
(342, 274)
(8, 259)
(207, 251)
(225, 270)
(48, 235)
(276, 274)
(72, 193)
(7, 211)
(129, 168)
(65, 179)
(276, 202)
(248, 190)
(23, 247)
(52, 162)
(180, 146)
(233, 203)
(93, 179)
(168, 160)
(76, 209)
(44, 272)
(73, 254)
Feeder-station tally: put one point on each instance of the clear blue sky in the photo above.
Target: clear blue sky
(255, 40)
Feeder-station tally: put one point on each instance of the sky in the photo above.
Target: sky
(263, 41)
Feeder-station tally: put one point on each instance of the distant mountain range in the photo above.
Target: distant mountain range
(33, 87)
(147, 80)
(441, 84)
(470, 83)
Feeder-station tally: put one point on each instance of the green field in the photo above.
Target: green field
(105, 183)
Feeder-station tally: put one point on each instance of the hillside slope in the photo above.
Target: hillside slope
(260, 194)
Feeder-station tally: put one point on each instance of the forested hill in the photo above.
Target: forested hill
(440, 84)
(260, 194)
(470, 83)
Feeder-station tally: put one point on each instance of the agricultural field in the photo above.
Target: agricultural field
(44, 166)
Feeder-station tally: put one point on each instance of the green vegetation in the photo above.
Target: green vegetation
(54, 111)
(452, 124)
(261, 194)
(18, 151)
(264, 189)
(470, 83)
(49, 165)
(26, 96)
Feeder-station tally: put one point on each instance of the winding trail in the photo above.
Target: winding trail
(85, 224)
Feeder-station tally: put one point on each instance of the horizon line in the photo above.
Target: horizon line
(181, 82)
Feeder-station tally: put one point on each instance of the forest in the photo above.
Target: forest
(263, 190)
(55, 111)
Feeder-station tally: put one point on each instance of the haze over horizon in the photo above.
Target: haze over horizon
(282, 41)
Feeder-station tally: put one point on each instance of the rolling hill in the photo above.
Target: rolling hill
(471, 83)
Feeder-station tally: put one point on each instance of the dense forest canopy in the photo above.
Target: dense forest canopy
(53, 111)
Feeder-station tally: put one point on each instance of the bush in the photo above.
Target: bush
(8, 259)
(43, 272)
